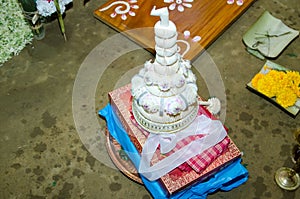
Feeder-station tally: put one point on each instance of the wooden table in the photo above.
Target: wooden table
(206, 18)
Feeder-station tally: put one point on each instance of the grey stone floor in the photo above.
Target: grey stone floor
(44, 154)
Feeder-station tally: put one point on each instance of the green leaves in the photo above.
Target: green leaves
(15, 33)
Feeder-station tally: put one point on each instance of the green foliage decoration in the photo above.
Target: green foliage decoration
(15, 33)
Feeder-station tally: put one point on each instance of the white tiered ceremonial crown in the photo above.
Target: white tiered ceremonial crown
(165, 98)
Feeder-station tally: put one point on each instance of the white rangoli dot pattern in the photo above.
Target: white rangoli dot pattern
(179, 4)
(238, 2)
(122, 8)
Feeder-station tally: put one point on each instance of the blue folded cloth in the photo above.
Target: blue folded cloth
(226, 179)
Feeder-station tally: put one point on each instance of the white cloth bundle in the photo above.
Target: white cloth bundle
(213, 131)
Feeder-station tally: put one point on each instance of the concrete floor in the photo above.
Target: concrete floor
(43, 155)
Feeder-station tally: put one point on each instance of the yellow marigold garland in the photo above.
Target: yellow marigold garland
(284, 86)
(267, 86)
(294, 77)
(256, 78)
(286, 97)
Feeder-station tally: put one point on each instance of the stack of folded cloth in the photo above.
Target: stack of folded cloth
(219, 164)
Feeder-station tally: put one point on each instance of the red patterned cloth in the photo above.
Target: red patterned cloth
(201, 161)
(198, 162)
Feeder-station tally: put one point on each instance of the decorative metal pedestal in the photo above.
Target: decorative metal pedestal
(288, 178)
